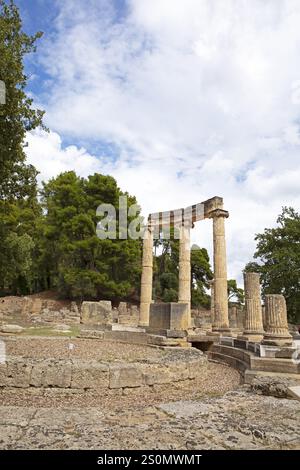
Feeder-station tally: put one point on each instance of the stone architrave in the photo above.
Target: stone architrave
(184, 291)
(254, 330)
(277, 332)
(146, 280)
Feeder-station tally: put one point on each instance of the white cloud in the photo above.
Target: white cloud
(199, 97)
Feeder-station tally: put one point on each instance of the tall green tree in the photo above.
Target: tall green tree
(19, 208)
(19, 218)
(278, 260)
(78, 263)
(18, 115)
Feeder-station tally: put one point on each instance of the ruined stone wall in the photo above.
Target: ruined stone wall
(38, 309)
(42, 309)
(91, 374)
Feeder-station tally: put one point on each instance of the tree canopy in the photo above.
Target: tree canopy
(18, 115)
(78, 263)
(278, 260)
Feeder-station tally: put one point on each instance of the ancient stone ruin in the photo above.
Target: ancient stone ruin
(254, 340)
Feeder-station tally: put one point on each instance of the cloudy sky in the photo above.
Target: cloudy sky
(179, 100)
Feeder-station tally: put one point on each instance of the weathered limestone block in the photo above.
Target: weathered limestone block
(49, 373)
(3, 375)
(128, 314)
(121, 376)
(158, 340)
(51, 315)
(11, 329)
(37, 374)
(98, 313)
(89, 375)
(179, 371)
(169, 316)
(157, 375)
(58, 374)
(91, 334)
(18, 373)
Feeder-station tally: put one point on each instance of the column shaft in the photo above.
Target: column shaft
(212, 301)
(221, 322)
(184, 291)
(146, 279)
(253, 316)
(277, 332)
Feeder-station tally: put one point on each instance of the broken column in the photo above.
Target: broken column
(253, 330)
(184, 290)
(221, 322)
(277, 332)
(146, 280)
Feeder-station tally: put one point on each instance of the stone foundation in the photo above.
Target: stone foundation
(93, 375)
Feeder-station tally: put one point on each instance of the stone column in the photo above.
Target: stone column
(277, 332)
(146, 280)
(212, 304)
(254, 330)
(221, 323)
(184, 291)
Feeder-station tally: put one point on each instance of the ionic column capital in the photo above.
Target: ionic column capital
(218, 213)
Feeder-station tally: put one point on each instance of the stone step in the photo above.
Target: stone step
(271, 364)
(240, 354)
(164, 341)
(229, 360)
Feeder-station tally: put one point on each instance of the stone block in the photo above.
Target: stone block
(163, 341)
(18, 373)
(49, 373)
(294, 392)
(169, 316)
(288, 353)
(121, 376)
(240, 343)
(157, 375)
(37, 373)
(96, 313)
(3, 375)
(179, 371)
(11, 329)
(91, 334)
(134, 337)
(89, 375)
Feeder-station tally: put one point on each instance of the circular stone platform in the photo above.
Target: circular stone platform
(83, 364)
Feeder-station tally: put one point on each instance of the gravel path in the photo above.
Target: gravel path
(58, 348)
